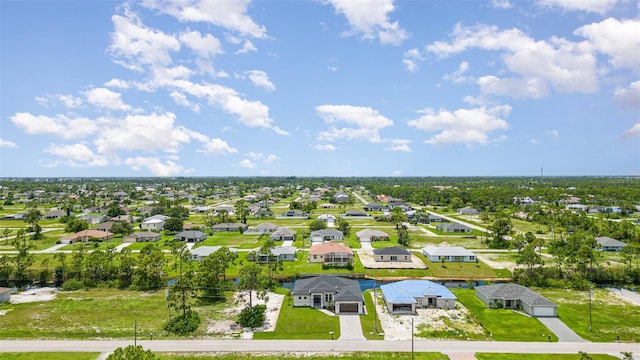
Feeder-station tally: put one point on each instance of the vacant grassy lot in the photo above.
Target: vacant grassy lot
(95, 314)
(493, 356)
(235, 240)
(352, 356)
(611, 317)
(370, 331)
(302, 323)
(455, 270)
(49, 356)
(503, 324)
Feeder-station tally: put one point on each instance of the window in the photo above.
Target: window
(299, 297)
(315, 257)
(394, 258)
(381, 257)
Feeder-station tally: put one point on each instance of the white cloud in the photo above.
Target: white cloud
(553, 133)
(246, 163)
(117, 83)
(6, 144)
(397, 172)
(367, 123)
(206, 46)
(467, 126)
(218, 146)
(411, 58)
(501, 4)
(271, 158)
(143, 132)
(324, 147)
(60, 125)
(618, 39)
(564, 65)
(231, 15)
(247, 48)
(76, 155)
(105, 98)
(595, 6)
(457, 76)
(181, 99)
(266, 159)
(261, 79)
(156, 167)
(69, 101)
(629, 97)
(399, 145)
(634, 131)
(370, 18)
(255, 156)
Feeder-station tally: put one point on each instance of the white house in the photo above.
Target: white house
(448, 253)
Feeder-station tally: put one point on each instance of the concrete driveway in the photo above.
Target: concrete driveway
(562, 331)
(350, 327)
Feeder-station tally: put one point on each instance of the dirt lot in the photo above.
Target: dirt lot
(33, 295)
(230, 329)
(369, 263)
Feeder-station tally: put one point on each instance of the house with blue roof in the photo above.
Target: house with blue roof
(404, 297)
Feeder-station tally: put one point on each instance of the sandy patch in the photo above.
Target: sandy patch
(398, 327)
(626, 296)
(34, 295)
(487, 259)
(229, 328)
(369, 262)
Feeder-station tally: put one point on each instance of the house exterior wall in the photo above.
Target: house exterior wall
(5, 295)
(388, 258)
(483, 298)
(287, 257)
(451, 258)
(302, 300)
(446, 304)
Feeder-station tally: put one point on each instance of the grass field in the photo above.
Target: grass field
(503, 324)
(352, 356)
(494, 356)
(302, 323)
(49, 356)
(611, 317)
(370, 331)
(454, 270)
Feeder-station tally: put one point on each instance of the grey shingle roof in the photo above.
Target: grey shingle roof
(607, 241)
(392, 250)
(343, 289)
(510, 291)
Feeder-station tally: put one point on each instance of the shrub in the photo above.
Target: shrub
(183, 324)
(132, 353)
(252, 317)
(72, 284)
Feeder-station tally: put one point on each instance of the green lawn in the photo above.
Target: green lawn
(302, 323)
(234, 239)
(456, 270)
(99, 245)
(370, 331)
(611, 317)
(49, 356)
(494, 356)
(352, 356)
(503, 324)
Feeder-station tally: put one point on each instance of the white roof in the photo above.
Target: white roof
(432, 250)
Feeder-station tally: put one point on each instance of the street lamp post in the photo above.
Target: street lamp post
(375, 311)
(412, 352)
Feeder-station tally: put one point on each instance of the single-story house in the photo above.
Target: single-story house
(325, 235)
(355, 214)
(606, 243)
(125, 218)
(264, 228)
(331, 253)
(448, 253)
(327, 218)
(142, 236)
(467, 211)
(199, 253)
(453, 227)
(392, 253)
(190, 236)
(514, 296)
(54, 214)
(283, 234)
(403, 297)
(375, 207)
(279, 253)
(157, 216)
(368, 235)
(5, 294)
(93, 219)
(105, 226)
(230, 209)
(230, 227)
(436, 218)
(327, 206)
(86, 235)
(294, 214)
(326, 291)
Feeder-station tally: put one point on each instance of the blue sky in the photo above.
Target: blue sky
(319, 88)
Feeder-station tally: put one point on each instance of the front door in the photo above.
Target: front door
(317, 301)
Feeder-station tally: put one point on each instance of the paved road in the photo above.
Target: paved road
(562, 331)
(319, 346)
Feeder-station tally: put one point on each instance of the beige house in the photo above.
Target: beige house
(85, 236)
(331, 253)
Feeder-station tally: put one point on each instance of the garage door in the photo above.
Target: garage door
(348, 308)
(543, 311)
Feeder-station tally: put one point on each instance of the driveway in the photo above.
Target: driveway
(366, 246)
(562, 331)
(350, 327)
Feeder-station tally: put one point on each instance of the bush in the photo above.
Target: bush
(183, 324)
(252, 317)
(72, 284)
(132, 353)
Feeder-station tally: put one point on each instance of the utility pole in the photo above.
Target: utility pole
(375, 311)
(590, 323)
(412, 352)
(135, 332)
